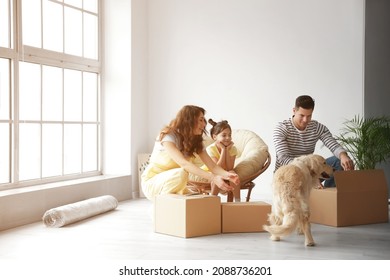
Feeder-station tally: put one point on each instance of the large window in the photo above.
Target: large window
(49, 91)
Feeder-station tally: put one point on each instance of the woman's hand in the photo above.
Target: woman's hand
(219, 181)
(233, 177)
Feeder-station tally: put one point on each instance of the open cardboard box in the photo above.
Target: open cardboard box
(187, 216)
(360, 197)
(244, 216)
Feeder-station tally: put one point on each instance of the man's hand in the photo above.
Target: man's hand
(346, 162)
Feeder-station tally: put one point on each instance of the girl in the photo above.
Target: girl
(222, 151)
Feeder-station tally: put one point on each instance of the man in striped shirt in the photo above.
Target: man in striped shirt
(299, 135)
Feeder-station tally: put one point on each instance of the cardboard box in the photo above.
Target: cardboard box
(244, 216)
(187, 216)
(360, 197)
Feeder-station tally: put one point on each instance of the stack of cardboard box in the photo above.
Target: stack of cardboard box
(199, 215)
(361, 197)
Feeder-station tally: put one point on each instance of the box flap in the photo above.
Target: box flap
(238, 204)
(188, 197)
(360, 180)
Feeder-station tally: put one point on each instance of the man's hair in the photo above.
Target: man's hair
(305, 102)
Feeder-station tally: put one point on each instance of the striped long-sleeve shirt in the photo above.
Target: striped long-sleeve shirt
(290, 142)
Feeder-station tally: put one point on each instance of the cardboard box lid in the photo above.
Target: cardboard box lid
(186, 197)
(360, 180)
(238, 204)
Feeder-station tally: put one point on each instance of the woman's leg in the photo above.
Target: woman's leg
(171, 181)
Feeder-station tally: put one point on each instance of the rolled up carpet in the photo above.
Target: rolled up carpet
(74, 212)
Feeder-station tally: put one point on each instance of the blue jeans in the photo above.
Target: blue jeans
(336, 165)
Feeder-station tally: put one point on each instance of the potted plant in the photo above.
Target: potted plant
(367, 140)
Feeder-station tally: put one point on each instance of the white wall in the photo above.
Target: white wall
(117, 87)
(247, 60)
(139, 86)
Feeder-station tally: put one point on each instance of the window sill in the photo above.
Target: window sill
(54, 185)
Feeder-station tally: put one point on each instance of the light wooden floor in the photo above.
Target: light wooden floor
(127, 233)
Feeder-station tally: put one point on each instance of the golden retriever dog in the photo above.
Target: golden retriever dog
(292, 184)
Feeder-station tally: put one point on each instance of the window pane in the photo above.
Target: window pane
(72, 148)
(51, 93)
(4, 24)
(4, 89)
(31, 22)
(76, 3)
(52, 26)
(51, 150)
(90, 148)
(29, 151)
(90, 97)
(73, 31)
(91, 5)
(72, 95)
(4, 153)
(90, 36)
(29, 91)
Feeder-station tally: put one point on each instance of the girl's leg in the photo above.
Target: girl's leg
(237, 193)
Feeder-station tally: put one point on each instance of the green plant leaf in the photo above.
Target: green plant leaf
(367, 140)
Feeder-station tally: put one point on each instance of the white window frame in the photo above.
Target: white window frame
(19, 52)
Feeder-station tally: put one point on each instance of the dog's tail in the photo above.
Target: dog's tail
(290, 222)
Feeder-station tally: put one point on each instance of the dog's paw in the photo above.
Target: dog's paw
(274, 238)
(310, 244)
(319, 186)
